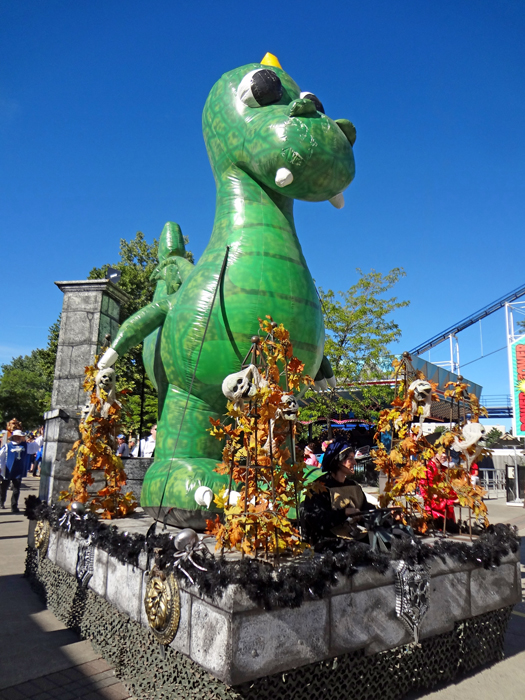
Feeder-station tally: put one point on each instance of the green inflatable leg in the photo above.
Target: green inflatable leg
(189, 459)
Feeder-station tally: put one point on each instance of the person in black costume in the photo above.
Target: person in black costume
(325, 511)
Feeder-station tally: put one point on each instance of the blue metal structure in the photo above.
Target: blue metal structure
(498, 406)
(469, 321)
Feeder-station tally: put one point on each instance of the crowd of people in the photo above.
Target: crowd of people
(129, 446)
(358, 437)
(20, 455)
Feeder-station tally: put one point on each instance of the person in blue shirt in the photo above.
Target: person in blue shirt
(14, 464)
(38, 461)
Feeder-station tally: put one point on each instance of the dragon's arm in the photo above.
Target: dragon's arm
(135, 329)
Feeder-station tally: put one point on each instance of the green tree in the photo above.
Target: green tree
(359, 329)
(493, 436)
(48, 355)
(25, 389)
(137, 261)
(27, 381)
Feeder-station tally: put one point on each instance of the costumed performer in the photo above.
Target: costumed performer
(335, 497)
(439, 505)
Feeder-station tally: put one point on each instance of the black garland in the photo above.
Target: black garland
(31, 504)
(289, 583)
(123, 546)
(496, 542)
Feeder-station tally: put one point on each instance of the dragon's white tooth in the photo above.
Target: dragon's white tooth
(338, 201)
(233, 497)
(283, 177)
(204, 496)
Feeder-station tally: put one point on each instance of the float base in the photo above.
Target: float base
(151, 672)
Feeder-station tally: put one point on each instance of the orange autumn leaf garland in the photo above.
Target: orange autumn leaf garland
(261, 457)
(96, 451)
(405, 465)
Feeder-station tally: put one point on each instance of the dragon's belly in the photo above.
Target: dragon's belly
(253, 287)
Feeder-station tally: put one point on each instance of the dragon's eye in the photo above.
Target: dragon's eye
(260, 88)
(317, 102)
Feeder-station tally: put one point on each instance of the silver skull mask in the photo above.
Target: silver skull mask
(105, 379)
(242, 385)
(84, 412)
(289, 408)
(422, 390)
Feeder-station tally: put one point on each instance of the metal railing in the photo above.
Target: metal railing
(493, 481)
(491, 400)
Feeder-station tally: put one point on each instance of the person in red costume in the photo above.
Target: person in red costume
(439, 506)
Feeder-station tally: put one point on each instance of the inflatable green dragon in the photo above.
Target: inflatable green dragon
(268, 144)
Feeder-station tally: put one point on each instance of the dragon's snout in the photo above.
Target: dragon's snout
(306, 107)
(347, 128)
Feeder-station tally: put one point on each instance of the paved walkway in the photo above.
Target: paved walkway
(41, 659)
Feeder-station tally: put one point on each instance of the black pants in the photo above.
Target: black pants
(4, 485)
(450, 526)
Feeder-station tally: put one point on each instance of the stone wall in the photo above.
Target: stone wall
(135, 468)
(237, 641)
(90, 311)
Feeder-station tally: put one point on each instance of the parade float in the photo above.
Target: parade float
(210, 590)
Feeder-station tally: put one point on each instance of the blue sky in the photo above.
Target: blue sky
(100, 136)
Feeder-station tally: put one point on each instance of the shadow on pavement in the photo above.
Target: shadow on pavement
(40, 657)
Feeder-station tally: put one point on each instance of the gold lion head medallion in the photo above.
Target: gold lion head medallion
(162, 605)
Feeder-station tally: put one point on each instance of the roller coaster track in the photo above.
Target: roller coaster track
(469, 321)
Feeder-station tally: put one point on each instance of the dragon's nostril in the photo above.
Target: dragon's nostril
(302, 107)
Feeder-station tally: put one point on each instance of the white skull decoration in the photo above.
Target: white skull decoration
(472, 433)
(287, 411)
(105, 380)
(289, 408)
(85, 412)
(242, 385)
(422, 397)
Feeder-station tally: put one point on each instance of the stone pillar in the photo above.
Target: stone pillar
(90, 311)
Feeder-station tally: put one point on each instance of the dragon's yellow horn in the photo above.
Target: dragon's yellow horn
(271, 60)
